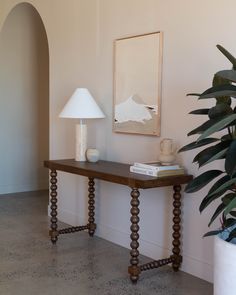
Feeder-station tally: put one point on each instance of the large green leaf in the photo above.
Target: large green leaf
(212, 153)
(193, 94)
(233, 213)
(218, 91)
(208, 155)
(232, 235)
(228, 75)
(217, 80)
(227, 54)
(213, 233)
(224, 99)
(219, 209)
(221, 124)
(195, 144)
(200, 181)
(209, 198)
(230, 206)
(205, 126)
(228, 198)
(221, 109)
(200, 112)
(229, 222)
(226, 137)
(225, 186)
(230, 161)
(220, 155)
(218, 183)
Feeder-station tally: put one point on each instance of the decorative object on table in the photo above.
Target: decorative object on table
(92, 155)
(156, 169)
(221, 147)
(167, 151)
(81, 106)
(137, 84)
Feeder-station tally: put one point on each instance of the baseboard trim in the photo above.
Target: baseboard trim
(18, 188)
(150, 249)
(69, 217)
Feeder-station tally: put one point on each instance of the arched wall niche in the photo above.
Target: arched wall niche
(24, 100)
(13, 7)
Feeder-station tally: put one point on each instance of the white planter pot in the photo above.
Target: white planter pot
(224, 267)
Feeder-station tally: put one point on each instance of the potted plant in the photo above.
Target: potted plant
(220, 119)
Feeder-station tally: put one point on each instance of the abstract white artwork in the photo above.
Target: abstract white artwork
(137, 84)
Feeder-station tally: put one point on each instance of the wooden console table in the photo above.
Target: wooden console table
(119, 173)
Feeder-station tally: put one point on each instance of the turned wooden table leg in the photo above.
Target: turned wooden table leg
(176, 228)
(53, 199)
(134, 269)
(91, 207)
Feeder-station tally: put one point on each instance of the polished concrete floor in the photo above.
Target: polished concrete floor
(30, 265)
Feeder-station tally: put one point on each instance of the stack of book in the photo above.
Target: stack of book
(156, 169)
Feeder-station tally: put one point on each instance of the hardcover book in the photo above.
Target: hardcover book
(155, 173)
(156, 166)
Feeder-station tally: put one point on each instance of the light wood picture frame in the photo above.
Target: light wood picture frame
(137, 84)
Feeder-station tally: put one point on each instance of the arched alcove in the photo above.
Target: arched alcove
(24, 101)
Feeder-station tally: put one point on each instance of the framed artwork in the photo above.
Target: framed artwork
(137, 84)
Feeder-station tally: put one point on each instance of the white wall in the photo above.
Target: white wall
(81, 35)
(24, 102)
(191, 31)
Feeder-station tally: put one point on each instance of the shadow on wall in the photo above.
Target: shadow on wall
(24, 101)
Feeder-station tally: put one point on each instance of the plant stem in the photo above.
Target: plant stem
(230, 133)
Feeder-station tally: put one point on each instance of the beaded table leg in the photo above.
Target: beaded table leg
(91, 207)
(134, 269)
(177, 258)
(53, 194)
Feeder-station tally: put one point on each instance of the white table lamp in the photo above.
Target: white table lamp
(81, 106)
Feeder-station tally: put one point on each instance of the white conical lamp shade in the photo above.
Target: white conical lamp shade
(81, 105)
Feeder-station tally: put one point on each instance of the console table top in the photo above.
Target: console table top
(115, 172)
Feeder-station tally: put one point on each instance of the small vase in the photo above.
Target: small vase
(92, 155)
(167, 154)
(166, 159)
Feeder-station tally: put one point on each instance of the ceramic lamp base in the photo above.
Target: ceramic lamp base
(81, 142)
